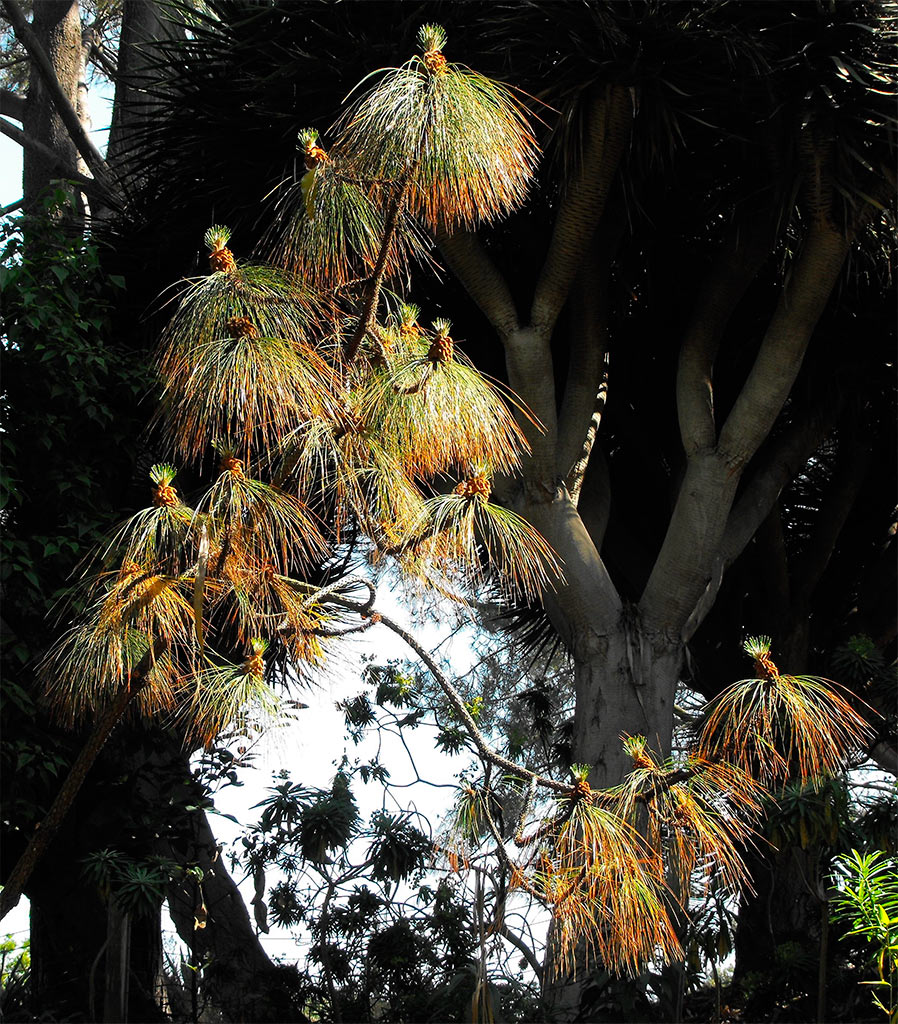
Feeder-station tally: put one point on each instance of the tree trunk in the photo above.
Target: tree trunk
(118, 961)
(69, 922)
(144, 26)
(211, 917)
(57, 26)
(625, 684)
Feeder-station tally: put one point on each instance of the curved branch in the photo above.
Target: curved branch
(375, 282)
(735, 267)
(782, 462)
(608, 122)
(12, 104)
(90, 186)
(837, 504)
(685, 564)
(524, 949)
(771, 378)
(458, 705)
(587, 367)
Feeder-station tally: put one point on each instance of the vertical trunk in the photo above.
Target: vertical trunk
(625, 681)
(139, 77)
(69, 928)
(57, 25)
(118, 957)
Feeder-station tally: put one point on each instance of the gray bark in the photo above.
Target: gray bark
(57, 28)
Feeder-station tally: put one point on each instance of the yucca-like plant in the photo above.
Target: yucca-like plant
(355, 475)
(441, 411)
(235, 362)
(697, 814)
(466, 826)
(459, 142)
(777, 726)
(262, 602)
(467, 533)
(330, 225)
(221, 259)
(603, 884)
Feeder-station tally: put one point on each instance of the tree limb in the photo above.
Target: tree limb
(12, 104)
(779, 465)
(587, 367)
(483, 748)
(885, 756)
(524, 949)
(608, 120)
(735, 266)
(851, 468)
(69, 117)
(692, 543)
(90, 186)
(801, 305)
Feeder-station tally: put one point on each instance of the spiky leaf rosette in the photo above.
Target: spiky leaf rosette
(777, 725)
(698, 814)
(330, 224)
(355, 477)
(250, 522)
(604, 886)
(466, 533)
(159, 536)
(92, 661)
(463, 139)
(234, 359)
(246, 386)
(223, 694)
(221, 259)
(442, 412)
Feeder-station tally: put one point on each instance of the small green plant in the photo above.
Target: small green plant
(867, 899)
(15, 978)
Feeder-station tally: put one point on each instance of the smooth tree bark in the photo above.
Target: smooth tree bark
(628, 655)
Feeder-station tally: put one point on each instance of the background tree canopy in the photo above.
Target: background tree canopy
(695, 302)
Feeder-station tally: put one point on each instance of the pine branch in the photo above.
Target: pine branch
(375, 283)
